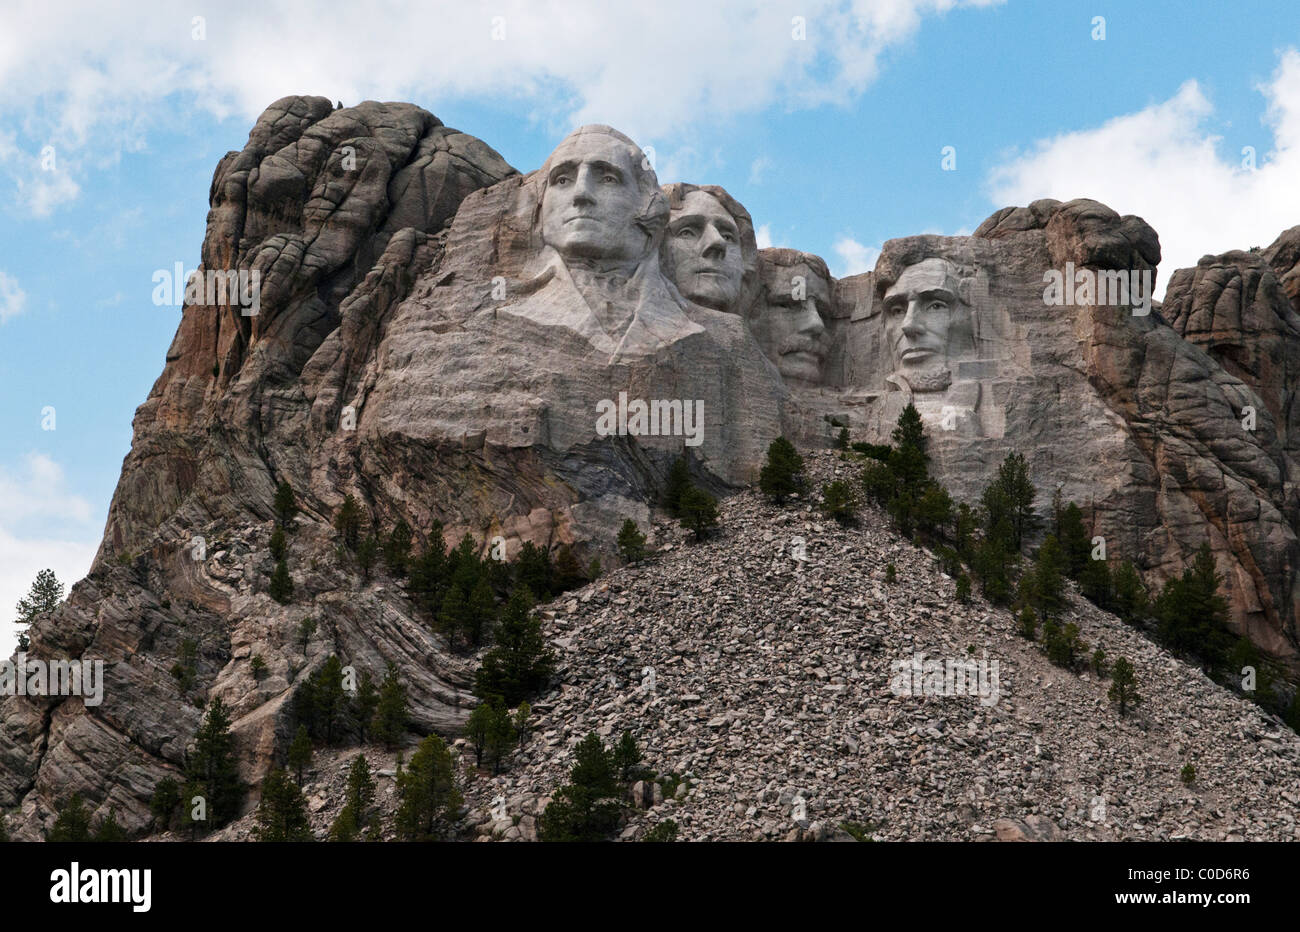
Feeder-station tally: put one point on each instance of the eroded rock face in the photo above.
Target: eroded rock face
(524, 356)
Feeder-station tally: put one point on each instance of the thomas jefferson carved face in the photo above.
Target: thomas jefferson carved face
(919, 309)
(593, 199)
(704, 242)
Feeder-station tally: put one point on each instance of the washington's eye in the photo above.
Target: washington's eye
(611, 178)
(685, 233)
(729, 237)
(561, 180)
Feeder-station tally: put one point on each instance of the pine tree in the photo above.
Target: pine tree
(109, 830)
(282, 812)
(42, 598)
(533, 570)
(212, 766)
(1123, 686)
(679, 480)
(992, 564)
(1008, 504)
(1075, 542)
(933, 510)
(429, 571)
(839, 501)
(1048, 581)
(1130, 597)
(476, 730)
(300, 753)
(164, 803)
(429, 799)
(391, 714)
(1095, 583)
(367, 556)
(285, 505)
(72, 823)
(699, 512)
(454, 615)
(963, 588)
(279, 544)
(780, 476)
(1193, 616)
(397, 549)
(281, 588)
(626, 757)
(568, 572)
(586, 808)
(631, 542)
(367, 702)
(523, 724)
(501, 736)
(306, 628)
(360, 793)
(842, 439)
(348, 522)
(521, 662)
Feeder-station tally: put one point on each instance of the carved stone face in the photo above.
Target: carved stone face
(789, 325)
(919, 309)
(592, 200)
(704, 241)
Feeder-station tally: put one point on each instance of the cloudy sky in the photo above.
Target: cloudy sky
(828, 120)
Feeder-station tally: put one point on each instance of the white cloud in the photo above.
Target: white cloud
(855, 258)
(12, 298)
(92, 82)
(764, 236)
(758, 168)
(42, 524)
(1161, 164)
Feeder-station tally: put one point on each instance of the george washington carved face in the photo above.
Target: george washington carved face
(594, 196)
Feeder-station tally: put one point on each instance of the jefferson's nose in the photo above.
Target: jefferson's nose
(712, 245)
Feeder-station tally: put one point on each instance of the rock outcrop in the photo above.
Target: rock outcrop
(386, 309)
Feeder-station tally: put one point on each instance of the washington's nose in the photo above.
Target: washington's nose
(584, 187)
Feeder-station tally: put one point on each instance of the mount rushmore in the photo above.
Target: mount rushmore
(523, 356)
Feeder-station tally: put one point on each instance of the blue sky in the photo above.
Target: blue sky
(833, 142)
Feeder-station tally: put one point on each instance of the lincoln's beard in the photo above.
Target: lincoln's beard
(936, 379)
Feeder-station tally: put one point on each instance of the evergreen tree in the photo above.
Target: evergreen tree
(397, 549)
(281, 588)
(476, 730)
(679, 480)
(285, 505)
(521, 662)
(1008, 504)
(212, 768)
(1130, 597)
(109, 830)
(429, 799)
(454, 615)
(348, 522)
(367, 556)
(909, 458)
(1075, 543)
(1064, 646)
(344, 828)
(279, 544)
(879, 482)
(42, 598)
(533, 570)
(306, 628)
(568, 572)
(699, 512)
(593, 569)
(523, 724)
(1193, 616)
(501, 735)
(322, 704)
(842, 439)
(429, 572)
(631, 542)
(1095, 583)
(839, 501)
(587, 808)
(933, 510)
(1123, 686)
(626, 758)
(1028, 623)
(391, 715)
(367, 702)
(780, 476)
(165, 801)
(300, 753)
(72, 823)
(282, 812)
(963, 588)
(1048, 580)
(360, 793)
(992, 564)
